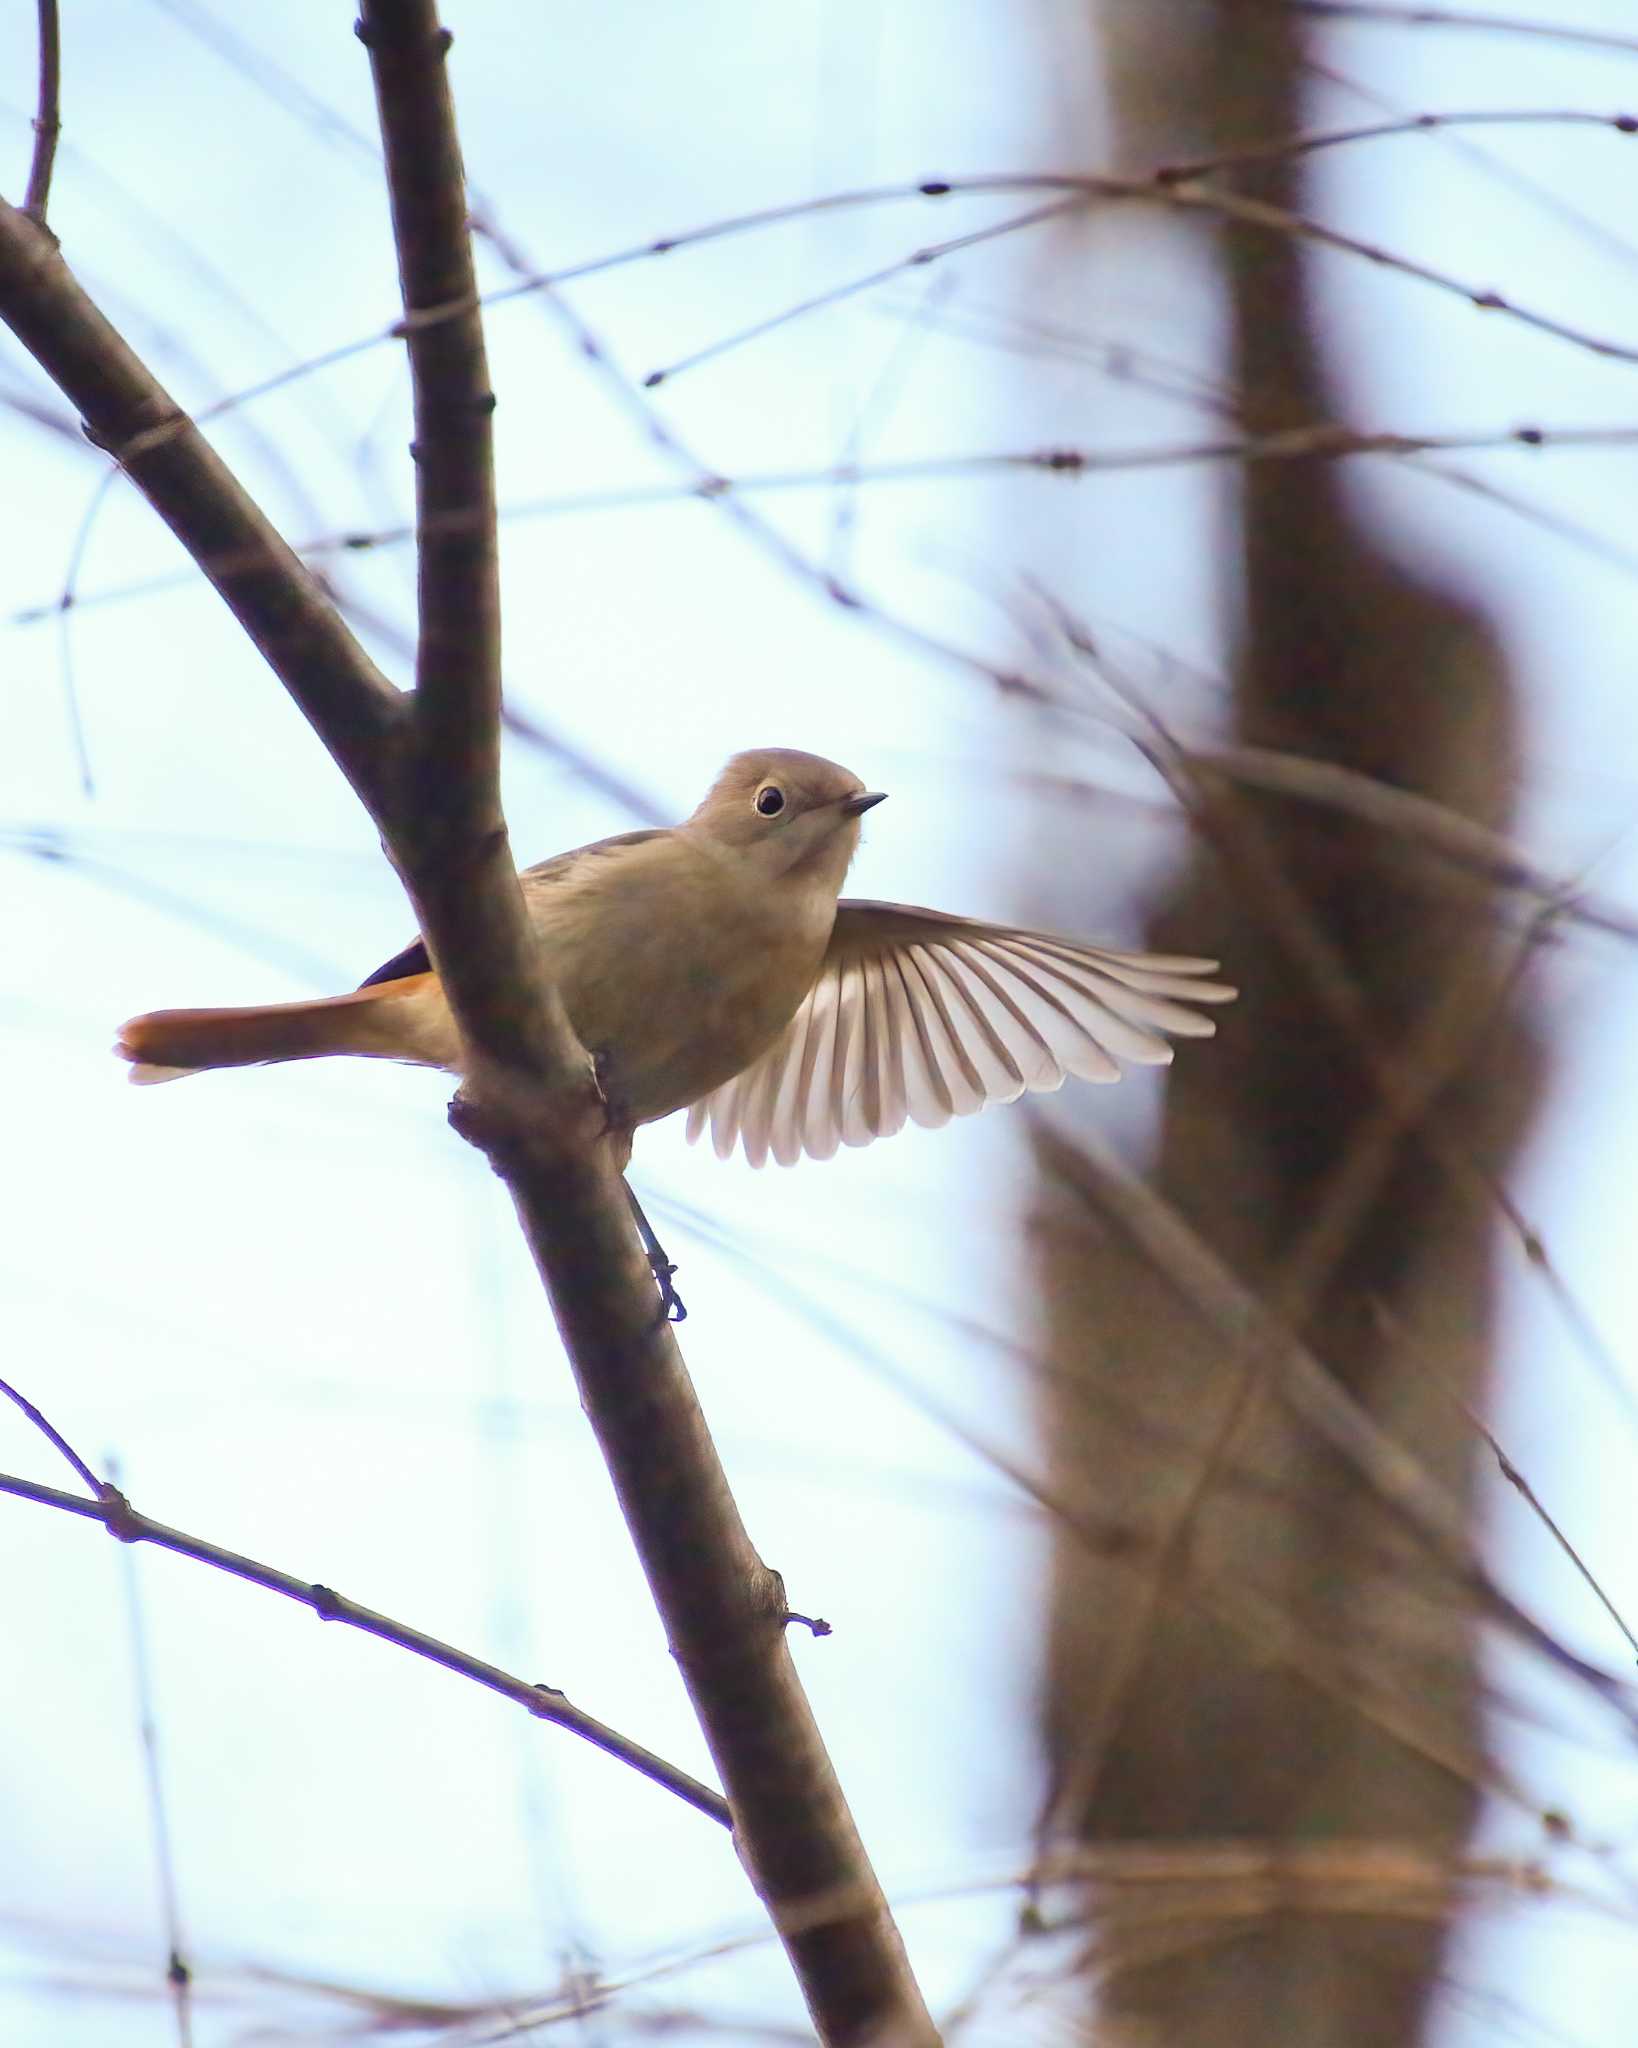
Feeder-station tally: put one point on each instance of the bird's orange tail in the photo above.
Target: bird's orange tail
(397, 1020)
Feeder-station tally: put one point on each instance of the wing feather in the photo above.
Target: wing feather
(957, 1068)
(926, 1091)
(919, 1017)
(819, 1134)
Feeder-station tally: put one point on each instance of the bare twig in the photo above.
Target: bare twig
(1054, 209)
(1386, 16)
(1516, 1479)
(1182, 186)
(1324, 442)
(47, 118)
(178, 1975)
(1407, 815)
(130, 415)
(545, 1702)
(54, 1437)
(1288, 148)
(1394, 1328)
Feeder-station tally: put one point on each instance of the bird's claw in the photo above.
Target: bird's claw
(672, 1309)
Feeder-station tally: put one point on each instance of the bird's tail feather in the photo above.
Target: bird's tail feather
(384, 1022)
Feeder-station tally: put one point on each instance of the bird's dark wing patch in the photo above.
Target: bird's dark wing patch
(413, 960)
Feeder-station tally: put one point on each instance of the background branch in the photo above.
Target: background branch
(545, 1702)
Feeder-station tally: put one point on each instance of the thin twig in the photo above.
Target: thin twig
(1498, 170)
(1385, 16)
(826, 301)
(1516, 1479)
(1291, 147)
(134, 419)
(55, 1438)
(1407, 815)
(1393, 1327)
(1174, 185)
(47, 120)
(178, 1974)
(545, 1702)
(1325, 442)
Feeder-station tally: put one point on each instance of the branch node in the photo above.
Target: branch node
(501, 1125)
(815, 1624)
(120, 1519)
(326, 1602)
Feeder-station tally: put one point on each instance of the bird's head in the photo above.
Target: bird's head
(786, 813)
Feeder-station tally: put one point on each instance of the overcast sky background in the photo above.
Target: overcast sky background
(299, 1311)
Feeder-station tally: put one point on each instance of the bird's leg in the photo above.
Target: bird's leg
(671, 1302)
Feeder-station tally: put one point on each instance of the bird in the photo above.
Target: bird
(714, 967)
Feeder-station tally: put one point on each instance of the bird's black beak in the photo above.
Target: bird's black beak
(856, 806)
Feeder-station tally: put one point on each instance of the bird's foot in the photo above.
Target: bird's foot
(672, 1309)
(671, 1302)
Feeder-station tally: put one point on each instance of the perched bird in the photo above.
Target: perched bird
(710, 967)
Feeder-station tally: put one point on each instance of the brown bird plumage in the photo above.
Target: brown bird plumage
(711, 967)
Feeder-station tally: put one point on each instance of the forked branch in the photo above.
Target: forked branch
(428, 769)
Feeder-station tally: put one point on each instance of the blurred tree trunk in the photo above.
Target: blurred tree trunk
(1169, 1716)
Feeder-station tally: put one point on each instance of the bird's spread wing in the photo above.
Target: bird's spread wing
(921, 1017)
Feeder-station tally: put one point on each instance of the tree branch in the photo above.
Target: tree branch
(545, 1702)
(450, 835)
(530, 1105)
(430, 778)
(47, 123)
(129, 413)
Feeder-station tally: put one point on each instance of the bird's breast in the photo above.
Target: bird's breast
(677, 975)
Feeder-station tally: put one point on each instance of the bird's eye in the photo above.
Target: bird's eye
(770, 800)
